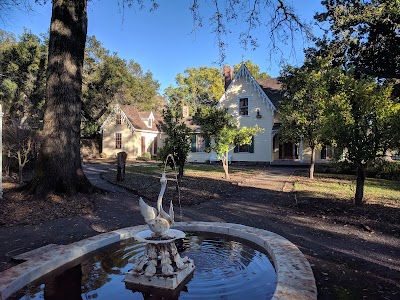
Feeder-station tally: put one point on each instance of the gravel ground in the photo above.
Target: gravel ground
(354, 253)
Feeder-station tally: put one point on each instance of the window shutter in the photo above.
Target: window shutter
(323, 152)
(193, 143)
(251, 146)
(207, 143)
(236, 150)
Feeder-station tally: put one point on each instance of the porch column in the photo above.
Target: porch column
(301, 148)
(272, 146)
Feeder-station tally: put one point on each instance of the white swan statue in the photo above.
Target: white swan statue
(157, 219)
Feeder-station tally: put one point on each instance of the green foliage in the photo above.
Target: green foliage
(23, 74)
(366, 33)
(106, 79)
(363, 118)
(145, 157)
(178, 140)
(380, 168)
(217, 125)
(302, 106)
(198, 86)
(377, 168)
(306, 91)
(253, 68)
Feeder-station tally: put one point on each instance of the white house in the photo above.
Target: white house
(256, 102)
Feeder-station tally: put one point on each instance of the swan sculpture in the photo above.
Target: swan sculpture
(157, 219)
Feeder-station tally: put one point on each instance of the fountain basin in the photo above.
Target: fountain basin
(295, 279)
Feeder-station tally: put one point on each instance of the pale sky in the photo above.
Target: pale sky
(163, 42)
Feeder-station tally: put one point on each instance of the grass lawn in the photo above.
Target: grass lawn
(199, 170)
(379, 191)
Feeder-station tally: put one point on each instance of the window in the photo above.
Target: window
(244, 106)
(245, 148)
(199, 143)
(326, 152)
(118, 140)
(118, 119)
(149, 123)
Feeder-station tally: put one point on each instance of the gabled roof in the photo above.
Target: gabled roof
(269, 89)
(272, 88)
(138, 118)
(190, 124)
(135, 120)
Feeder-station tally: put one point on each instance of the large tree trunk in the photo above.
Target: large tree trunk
(312, 163)
(58, 167)
(358, 199)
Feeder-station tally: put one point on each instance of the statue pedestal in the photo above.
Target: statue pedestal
(161, 265)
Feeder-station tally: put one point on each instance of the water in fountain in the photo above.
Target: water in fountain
(225, 269)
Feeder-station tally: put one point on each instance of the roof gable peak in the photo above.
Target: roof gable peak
(244, 72)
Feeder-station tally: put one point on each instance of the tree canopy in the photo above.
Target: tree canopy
(305, 93)
(366, 32)
(178, 139)
(197, 86)
(219, 127)
(363, 118)
(23, 64)
(106, 79)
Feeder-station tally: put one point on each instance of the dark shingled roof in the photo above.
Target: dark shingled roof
(272, 88)
(135, 117)
(189, 123)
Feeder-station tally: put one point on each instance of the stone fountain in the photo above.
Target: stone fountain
(160, 266)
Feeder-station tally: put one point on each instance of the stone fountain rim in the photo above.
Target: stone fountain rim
(295, 279)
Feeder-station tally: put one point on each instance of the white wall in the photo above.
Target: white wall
(242, 88)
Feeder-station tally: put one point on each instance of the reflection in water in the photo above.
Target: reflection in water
(225, 269)
(66, 286)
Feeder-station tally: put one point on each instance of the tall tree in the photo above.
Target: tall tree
(363, 119)
(23, 63)
(366, 32)
(219, 127)
(58, 167)
(198, 86)
(178, 137)
(305, 92)
(108, 79)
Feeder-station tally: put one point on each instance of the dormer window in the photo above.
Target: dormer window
(244, 106)
(118, 119)
(149, 123)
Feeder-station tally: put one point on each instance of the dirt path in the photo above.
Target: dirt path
(348, 261)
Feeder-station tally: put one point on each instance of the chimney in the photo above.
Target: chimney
(185, 111)
(228, 75)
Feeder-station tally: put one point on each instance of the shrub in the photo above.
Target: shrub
(145, 157)
(378, 168)
(336, 167)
